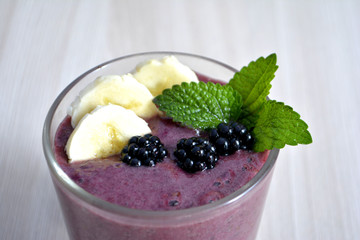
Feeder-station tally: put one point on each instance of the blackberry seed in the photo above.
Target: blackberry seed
(162, 153)
(200, 166)
(222, 146)
(224, 130)
(126, 158)
(149, 162)
(221, 126)
(135, 162)
(133, 149)
(197, 152)
(180, 143)
(143, 141)
(210, 148)
(154, 140)
(125, 150)
(202, 141)
(134, 140)
(213, 135)
(148, 135)
(237, 128)
(249, 139)
(188, 164)
(234, 144)
(210, 160)
(243, 131)
(189, 143)
(142, 154)
(152, 150)
(180, 154)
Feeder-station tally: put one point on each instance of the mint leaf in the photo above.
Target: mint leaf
(277, 125)
(200, 105)
(253, 84)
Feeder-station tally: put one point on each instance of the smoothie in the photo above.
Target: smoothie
(108, 199)
(165, 186)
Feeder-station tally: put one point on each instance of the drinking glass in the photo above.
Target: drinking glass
(236, 216)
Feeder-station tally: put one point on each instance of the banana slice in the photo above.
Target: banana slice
(158, 75)
(104, 132)
(120, 90)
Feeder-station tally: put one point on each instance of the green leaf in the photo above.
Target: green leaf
(277, 125)
(248, 119)
(200, 105)
(253, 83)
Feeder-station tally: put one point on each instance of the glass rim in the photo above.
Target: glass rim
(71, 186)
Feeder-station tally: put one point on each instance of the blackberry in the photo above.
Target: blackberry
(195, 154)
(228, 138)
(144, 150)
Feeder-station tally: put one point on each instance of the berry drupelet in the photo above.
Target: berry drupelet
(146, 150)
(228, 138)
(195, 154)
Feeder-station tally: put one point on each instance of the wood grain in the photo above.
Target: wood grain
(44, 45)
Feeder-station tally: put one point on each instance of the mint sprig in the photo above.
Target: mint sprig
(200, 105)
(277, 125)
(205, 105)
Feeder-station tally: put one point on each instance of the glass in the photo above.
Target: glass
(236, 216)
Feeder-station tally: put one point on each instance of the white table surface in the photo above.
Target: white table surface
(44, 45)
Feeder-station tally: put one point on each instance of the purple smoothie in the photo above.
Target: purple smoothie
(161, 202)
(160, 188)
(165, 186)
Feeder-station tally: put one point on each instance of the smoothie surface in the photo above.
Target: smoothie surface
(165, 186)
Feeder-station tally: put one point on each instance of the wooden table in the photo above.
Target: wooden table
(44, 45)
